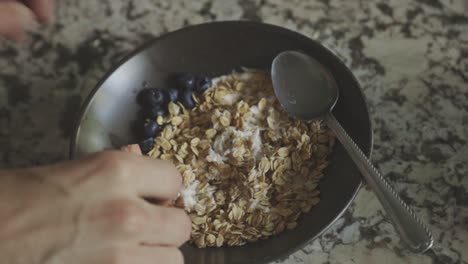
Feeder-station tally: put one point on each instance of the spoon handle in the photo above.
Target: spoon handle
(416, 235)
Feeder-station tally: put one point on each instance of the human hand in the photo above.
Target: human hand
(92, 211)
(18, 16)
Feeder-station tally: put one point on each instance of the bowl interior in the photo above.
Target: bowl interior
(215, 49)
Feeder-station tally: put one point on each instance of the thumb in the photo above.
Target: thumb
(44, 9)
(15, 19)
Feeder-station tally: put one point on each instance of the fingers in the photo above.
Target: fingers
(15, 18)
(44, 9)
(161, 255)
(119, 171)
(134, 148)
(158, 179)
(139, 222)
(137, 255)
(168, 227)
(147, 177)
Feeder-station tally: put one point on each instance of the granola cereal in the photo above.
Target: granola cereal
(249, 171)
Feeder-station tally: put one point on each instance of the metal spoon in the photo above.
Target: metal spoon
(307, 91)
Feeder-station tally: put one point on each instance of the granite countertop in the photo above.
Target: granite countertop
(411, 58)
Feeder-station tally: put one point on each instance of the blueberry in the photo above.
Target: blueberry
(146, 145)
(187, 100)
(136, 124)
(151, 97)
(173, 94)
(203, 83)
(143, 96)
(151, 129)
(186, 81)
(155, 111)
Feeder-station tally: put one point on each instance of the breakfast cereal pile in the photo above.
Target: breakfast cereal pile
(249, 171)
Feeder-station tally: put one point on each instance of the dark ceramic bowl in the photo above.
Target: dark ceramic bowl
(215, 49)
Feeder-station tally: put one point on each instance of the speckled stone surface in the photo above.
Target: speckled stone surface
(410, 56)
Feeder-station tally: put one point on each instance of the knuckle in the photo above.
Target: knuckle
(127, 217)
(161, 218)
(113, 163)
(171, 169)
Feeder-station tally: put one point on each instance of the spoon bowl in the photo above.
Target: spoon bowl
(299, 100)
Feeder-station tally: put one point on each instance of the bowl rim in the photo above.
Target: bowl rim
(86, 104)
